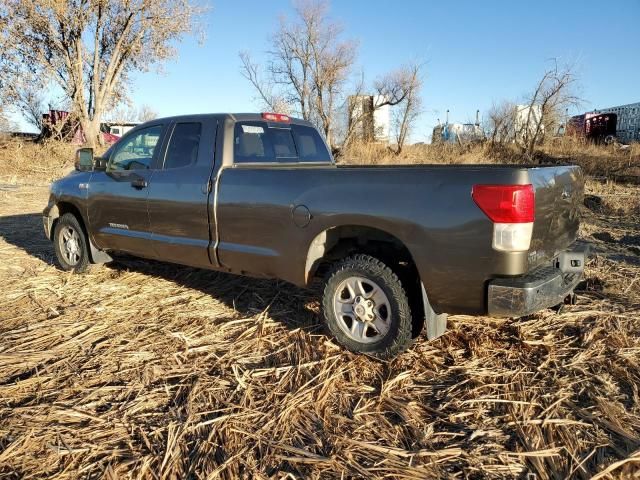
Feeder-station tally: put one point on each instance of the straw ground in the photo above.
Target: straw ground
(148, 370)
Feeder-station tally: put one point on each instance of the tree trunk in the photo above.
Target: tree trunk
(91, 130)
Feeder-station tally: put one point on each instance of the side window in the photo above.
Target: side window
(251, 144)
(136, 151)
(183, 145)
(311, 148)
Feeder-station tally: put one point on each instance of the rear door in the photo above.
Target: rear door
(179, 190)
(259, 215)
(117, 200)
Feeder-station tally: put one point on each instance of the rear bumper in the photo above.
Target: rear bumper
(541, 288)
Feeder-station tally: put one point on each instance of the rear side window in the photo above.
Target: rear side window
(258, 142)
(311, 148)
(250, 143)
(183, 145)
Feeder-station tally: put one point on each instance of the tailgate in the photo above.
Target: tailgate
(558, 193)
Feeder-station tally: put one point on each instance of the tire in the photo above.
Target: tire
(70, 244)
(366, 308)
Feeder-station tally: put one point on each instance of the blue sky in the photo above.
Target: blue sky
(475, 53)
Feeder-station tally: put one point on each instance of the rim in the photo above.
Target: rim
(69, 241)
(362, 310)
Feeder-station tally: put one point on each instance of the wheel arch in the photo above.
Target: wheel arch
(63, 207)
(338, 242)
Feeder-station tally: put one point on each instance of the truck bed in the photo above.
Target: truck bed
(426, 207)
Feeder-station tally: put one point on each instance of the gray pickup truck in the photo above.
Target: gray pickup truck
(397, 247)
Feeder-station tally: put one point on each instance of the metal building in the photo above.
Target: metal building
(628, 123)
(527, 122)
(369, 117)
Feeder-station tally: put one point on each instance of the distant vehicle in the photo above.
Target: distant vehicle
(595, 127)
(396, 247)
(461, 133)
(119, 128)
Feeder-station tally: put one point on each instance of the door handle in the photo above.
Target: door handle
(139, 183)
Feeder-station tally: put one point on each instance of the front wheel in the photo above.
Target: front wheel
(70, 244)
(366, 308)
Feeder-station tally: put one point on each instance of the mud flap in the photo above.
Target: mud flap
(98, 256)
(435, 323)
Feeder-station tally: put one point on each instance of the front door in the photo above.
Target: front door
(118, 196)
(178, 200)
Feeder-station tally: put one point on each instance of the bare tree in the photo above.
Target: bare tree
(500, 125)
(5, 124)
(146, 113)
(266, 94)
(91, 47)
(398, 90)
(15, 76)
(308, 68)
(553, 93)
(126, 112)
(29, 101)
(402, 89)
(60, 125)
(308, 73)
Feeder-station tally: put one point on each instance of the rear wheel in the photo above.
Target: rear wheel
(366, 308)
(70, 244)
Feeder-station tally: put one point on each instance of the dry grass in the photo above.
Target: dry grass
(25, 161)
(379, 154)
(595, 160)
(147, 370)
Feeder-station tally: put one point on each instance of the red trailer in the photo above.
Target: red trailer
(595, 127)
(60, 124)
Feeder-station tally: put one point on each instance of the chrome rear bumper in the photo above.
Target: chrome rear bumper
(541, 288)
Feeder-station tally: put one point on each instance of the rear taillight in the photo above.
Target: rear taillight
(276, 117)
(506, 203)
(511, 208)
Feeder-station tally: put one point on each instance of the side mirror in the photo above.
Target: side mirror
(84, 159)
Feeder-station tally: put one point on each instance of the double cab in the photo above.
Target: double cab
(396, 247)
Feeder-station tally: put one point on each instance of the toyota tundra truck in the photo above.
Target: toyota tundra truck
(397, 248)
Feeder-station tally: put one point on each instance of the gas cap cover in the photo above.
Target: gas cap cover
(301, 216)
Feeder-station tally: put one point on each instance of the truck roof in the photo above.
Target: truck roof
(236, 117)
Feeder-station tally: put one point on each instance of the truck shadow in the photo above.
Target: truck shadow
(26, 232)
(286, 303)
(293, 306)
